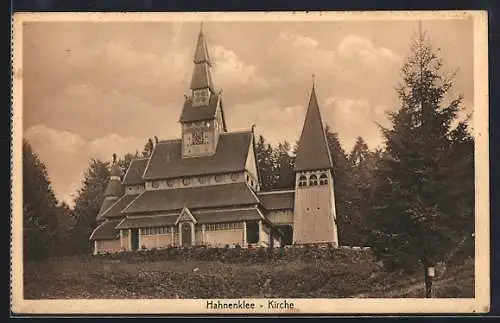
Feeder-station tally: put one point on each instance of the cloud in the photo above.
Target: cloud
(66, 155)
(232, 73)
(88, 109)
(274, 120)
(301, 56)
(349, 117)
(362, 50)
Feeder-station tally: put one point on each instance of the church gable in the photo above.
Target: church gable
(186, 215)
(251, 163)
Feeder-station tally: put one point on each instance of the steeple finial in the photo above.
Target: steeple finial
(313, 81)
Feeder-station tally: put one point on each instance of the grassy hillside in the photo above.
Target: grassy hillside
(233, 274)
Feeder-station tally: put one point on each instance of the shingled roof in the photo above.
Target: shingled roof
(280, 200)
(313, 152)
(132, 222)
(222, 195)
(114, 189)
(192, 114)
(135, 171)
(216, 216)
(106, 231)
(106, 204)
(117, 207)
(230, 156)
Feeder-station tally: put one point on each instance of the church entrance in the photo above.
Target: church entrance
(186, 235)
(287, 231)
(134, 239)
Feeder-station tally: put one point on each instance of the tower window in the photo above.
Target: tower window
(302, 181)
(323, 179)
(186, 181)
(313, 180)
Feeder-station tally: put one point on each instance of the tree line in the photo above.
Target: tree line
(411, 200)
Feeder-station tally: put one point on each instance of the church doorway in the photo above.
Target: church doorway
(287, 231)
(186, 232)
(134, 239)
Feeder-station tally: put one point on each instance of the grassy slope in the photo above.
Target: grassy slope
(76, 277)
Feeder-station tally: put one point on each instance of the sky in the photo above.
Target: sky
(91, 89)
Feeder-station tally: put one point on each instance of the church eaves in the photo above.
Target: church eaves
(313, 152)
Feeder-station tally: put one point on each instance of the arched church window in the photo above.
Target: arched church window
(302, 180)
(323, 179)
(313, 180)
(186, 181)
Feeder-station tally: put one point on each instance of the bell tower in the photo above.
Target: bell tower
(202, 117)
(314, 211)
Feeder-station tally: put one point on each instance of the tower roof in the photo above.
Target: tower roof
(115, 187)
(201, 53)
(313, 152)
(202, 77)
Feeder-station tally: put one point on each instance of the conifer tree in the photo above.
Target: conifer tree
(410, 213)
(264, 155)
(88, 202)
(39, 207)
(283, 167)
(342, 178)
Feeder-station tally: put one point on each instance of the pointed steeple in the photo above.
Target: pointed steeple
(115, 187)
(313, 152)
(201, 53)
(202, 76)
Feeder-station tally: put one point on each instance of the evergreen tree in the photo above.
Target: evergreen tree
(410, 213)
(39, 207)
(264, 155)
(283, 167)
(362, 163)
(88, 202)
(342, 179)
(64, 234)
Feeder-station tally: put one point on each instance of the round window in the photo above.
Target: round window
(156, 184)
(235, 176)
(186, 181)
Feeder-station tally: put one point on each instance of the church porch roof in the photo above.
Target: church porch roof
(279, 200)
(106, 231)
(117, 207)
(202, 217)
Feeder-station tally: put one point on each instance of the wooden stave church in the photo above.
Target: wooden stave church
(204, 188)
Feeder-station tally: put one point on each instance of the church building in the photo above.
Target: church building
(204, 188)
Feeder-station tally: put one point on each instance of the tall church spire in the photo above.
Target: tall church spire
(202, 77)
(313, 152)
